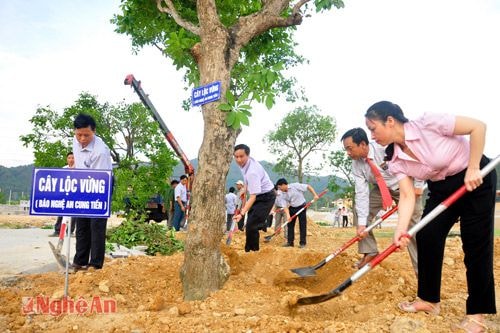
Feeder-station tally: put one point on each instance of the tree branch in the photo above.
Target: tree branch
(170, 9)
(268, 18)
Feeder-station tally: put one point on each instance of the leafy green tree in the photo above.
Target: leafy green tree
(247, 46)
(301, 133)
(143, 160)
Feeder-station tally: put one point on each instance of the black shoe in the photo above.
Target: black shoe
(287, 245)
(77, 268)
(302, 246)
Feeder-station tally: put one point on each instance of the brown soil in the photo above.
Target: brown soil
(256, 297)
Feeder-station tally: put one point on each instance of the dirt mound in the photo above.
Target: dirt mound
(254, 299)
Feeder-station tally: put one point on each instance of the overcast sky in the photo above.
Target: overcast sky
(426, 56)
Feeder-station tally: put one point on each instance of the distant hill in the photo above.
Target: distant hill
(234, 174)
(16, 181)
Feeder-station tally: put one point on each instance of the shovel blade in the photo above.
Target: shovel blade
(267, 239)
(318, 298)
(304, 271)
(60, 259)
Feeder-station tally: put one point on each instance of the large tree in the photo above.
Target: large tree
(341, 165)
(301, 133)
(142, 158)
(246, 45)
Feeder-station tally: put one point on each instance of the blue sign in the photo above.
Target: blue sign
(71, 192)
(206, 94)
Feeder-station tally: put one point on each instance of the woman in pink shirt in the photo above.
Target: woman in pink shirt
(434, 148)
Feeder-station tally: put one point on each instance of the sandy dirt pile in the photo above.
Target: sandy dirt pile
(256, 296)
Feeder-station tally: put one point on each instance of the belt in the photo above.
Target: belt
(262, 194)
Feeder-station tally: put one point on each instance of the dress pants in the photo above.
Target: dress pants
(90, 241)
(476, 211)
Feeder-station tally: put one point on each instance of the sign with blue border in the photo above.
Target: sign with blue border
(206, 94)
(71, 192)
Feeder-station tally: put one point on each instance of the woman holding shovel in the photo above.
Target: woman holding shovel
(434, 148)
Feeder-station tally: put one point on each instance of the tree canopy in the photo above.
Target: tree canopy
(301, 133)
(138, 149)
(261, 47)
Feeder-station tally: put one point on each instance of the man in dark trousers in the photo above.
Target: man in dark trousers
(293, 195)
(262, 196)
(90, 153)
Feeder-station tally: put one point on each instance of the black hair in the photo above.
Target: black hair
(244, 147)
(357, 134)
(231, 189)
(381, 111)
(281, 181)
(69, 153)
(83, 120)
(183, 177)
(174, 181)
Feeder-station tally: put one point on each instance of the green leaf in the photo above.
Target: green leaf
(236, 125)
(269, 101)
(225, 107)
(230, 118)
(230, 97)
(244, 96)
(243, 118)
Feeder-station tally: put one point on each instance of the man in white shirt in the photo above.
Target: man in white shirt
(180, 194)
(90, 153)
(293, 195)
(231, 201)
(262, 196)
(368, 198)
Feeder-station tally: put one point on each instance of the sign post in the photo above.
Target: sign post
(70, 192)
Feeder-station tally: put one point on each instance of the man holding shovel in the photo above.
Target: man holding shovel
(375, 188)
(293, 196)
(262, 196)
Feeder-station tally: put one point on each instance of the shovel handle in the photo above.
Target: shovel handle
(298, 212)
(62, 231)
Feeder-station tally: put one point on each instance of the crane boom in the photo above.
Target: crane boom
(131, 81)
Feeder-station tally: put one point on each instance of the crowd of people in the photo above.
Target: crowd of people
(440, 151)
(403, 157)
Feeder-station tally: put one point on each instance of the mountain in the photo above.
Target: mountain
(319, 183)
(16, 181)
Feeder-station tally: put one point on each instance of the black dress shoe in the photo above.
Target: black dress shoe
(76, 268)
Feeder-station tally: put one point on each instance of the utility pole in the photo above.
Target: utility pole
(10, 195)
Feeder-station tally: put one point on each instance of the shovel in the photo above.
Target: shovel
(56, 250)
(311, 270)
(277, 231)
(233, 229)
(375, 261)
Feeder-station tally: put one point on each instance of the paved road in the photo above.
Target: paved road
(25, 251)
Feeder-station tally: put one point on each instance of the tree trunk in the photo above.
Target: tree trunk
(300, 175)
(204, 269)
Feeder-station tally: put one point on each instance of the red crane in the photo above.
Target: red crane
(188, 167)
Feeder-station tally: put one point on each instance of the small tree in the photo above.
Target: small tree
(300, 134)
(138, 149)
(341, 163)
